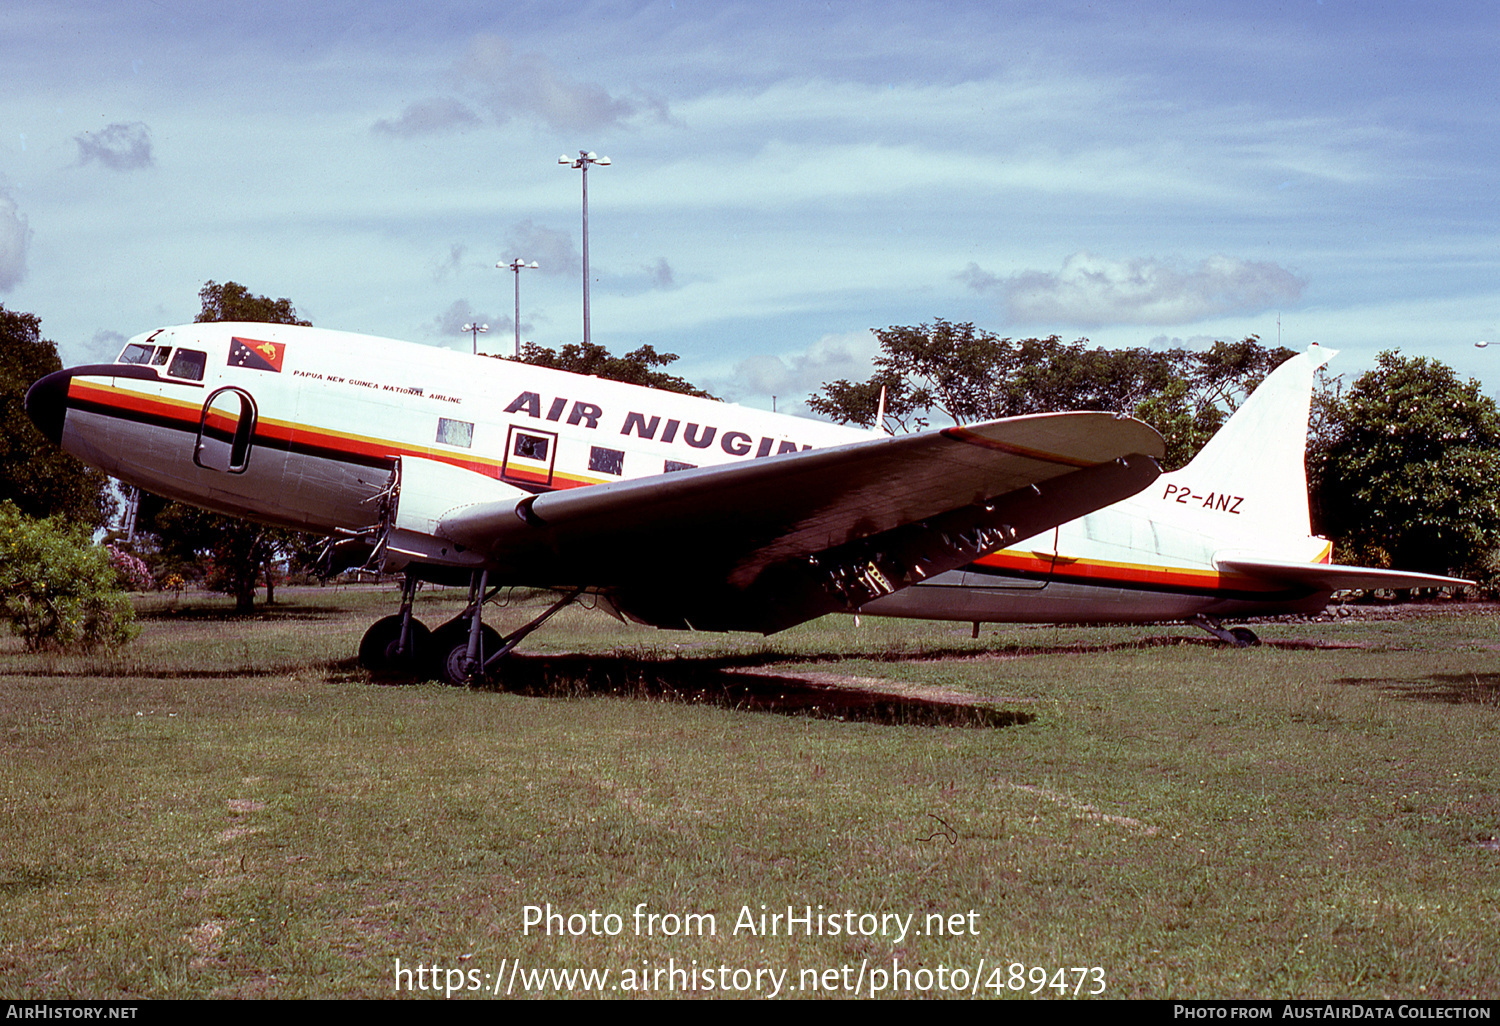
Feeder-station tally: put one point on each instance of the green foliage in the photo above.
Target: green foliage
(231, 301)
(1409, 470)
(36, 475)
(57, 588)
(965, 374)
(637, 368)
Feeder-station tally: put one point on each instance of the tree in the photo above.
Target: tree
(231, 301)
(57, 588)
(1410, 477)
(637, 368)
(229, 555)
(964, 374)
(232, 555)
(36, 475)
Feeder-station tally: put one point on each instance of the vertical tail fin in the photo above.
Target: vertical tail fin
(1259, 455)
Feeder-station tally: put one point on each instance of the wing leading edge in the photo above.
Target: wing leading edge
(769, 543)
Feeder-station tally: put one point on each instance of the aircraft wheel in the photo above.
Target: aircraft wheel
(377, 649)
(1244, 637)
(451, 647)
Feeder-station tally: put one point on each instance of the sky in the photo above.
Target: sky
(784, 176)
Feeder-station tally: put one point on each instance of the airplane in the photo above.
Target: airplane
(1226, 537)
(666, 509)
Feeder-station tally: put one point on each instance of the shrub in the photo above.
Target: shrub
(57, 588)
(132, 573)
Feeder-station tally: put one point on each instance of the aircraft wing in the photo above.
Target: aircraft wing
(767, 543)
(1330, 576)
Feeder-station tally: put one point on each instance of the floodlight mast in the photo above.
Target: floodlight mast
(518, 265)
(582, 162)
(476, 330)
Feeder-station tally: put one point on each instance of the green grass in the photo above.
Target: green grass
(231, 808)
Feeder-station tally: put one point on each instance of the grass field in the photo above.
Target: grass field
(231, 808)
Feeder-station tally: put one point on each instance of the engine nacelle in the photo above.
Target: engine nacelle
(425, 492)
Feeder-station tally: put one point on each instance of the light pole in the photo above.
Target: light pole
(477, 330)
(518, 265)
(585, 158)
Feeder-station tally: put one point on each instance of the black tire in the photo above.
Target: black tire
(450, 650)
(378, 648)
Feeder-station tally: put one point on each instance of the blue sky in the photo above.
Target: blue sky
(784, 176)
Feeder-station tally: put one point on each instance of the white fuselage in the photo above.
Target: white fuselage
(305, 434)
(306, 429)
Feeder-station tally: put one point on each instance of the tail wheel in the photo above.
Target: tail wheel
(1244, 637)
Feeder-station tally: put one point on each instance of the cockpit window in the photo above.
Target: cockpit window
(136, 353)
(188, 363)
(162, 352)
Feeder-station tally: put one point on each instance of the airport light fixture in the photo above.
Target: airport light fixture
(581, 163)
(518, 265)
(477, 330)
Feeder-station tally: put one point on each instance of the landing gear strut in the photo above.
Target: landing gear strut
(467, 649)
(1239, 637)
(397, 646)
(462, 651)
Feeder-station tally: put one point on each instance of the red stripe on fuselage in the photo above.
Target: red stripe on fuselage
(1099, 573)
(276, 434)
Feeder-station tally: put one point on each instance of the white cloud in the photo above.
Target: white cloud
(105, 345)
(551, 249)
(530, 86)
(452, 320)
(118, 146)
(451, 264)
(789, 375)
(1092, 291)
(661, 275)
(15, 239)
(424, 117)
(526, 87)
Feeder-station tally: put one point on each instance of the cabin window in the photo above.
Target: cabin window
(531, 447)
(455, 432)
(188, 363)
(606, 461)
(672, 466)
(136, 353)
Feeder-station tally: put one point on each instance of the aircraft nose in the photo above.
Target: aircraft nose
(47, 404)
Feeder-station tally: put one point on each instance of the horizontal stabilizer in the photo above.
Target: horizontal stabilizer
(1330, 576)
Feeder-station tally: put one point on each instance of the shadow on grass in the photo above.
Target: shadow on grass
(718, 682)
(1441, 688)
(729, 681)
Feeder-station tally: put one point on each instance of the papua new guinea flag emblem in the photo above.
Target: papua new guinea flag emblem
(247, 352)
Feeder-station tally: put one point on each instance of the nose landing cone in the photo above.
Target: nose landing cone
(47, 404)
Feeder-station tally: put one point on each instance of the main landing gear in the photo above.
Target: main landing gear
(462, 651)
